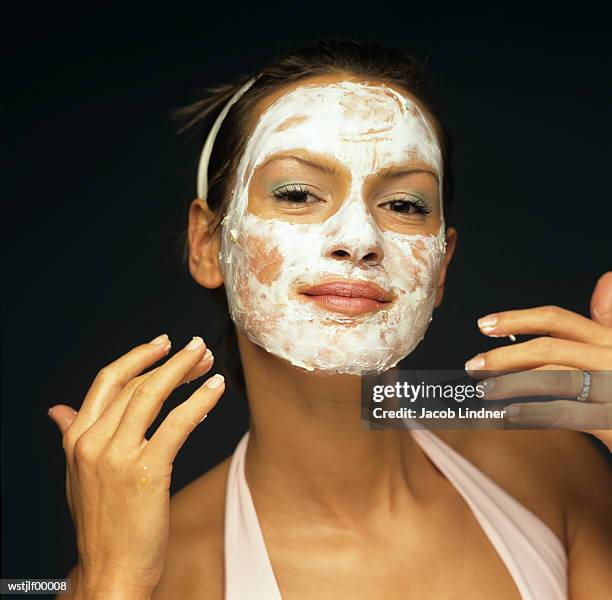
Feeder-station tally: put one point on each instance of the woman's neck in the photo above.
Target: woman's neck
(308, 450)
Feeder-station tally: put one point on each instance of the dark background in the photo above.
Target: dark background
(101, 184)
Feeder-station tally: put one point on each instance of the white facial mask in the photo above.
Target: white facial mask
(264, 260)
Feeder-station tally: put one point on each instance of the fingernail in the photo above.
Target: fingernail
(208, 357)
(474, 364)
(487, 385)
(49, 410)
(487, 322)
(216, 381)
(196, 342)
(512, 411)
(160, 340)
(203, 418)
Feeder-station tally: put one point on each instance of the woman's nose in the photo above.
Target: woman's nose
(357, 252)
(353, 236)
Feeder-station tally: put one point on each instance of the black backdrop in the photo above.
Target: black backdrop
(101, 184)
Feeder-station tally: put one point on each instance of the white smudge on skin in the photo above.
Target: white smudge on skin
(264, 260)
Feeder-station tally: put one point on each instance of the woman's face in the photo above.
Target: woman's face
(334, 238)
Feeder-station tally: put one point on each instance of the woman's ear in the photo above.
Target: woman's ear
(451, 242)
(203, 247)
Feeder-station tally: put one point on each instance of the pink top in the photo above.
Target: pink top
(532, 553)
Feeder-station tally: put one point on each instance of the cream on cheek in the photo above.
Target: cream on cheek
(265, 261)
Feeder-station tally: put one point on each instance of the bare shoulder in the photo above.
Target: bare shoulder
(193, 567)
(551, 472)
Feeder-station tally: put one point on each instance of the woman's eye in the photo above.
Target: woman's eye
(294, 194)
(409, 205)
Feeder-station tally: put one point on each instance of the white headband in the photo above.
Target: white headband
(202, 181)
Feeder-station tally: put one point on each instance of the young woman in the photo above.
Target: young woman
(323, 186)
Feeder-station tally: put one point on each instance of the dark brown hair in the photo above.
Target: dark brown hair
(366, 60)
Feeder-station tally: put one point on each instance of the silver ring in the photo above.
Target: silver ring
(586, 386)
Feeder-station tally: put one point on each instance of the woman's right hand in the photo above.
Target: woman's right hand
(117, 480)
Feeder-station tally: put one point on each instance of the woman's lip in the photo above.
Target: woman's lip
(348, 289)
(350, 297)
(347, 304)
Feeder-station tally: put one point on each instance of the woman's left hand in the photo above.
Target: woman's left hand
(553, 365)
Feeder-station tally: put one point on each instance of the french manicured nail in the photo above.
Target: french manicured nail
(50, 410)
(203, 418)
(487, 385)
(160, 340)
(207, 360)
(474, 364)
(195, 343)
(487, 324)
(512, 411)
(215, 381)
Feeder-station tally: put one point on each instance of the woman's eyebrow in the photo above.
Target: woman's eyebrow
(393, 172)
(324, 166)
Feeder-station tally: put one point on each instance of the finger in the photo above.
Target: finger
(560, 414)
(551, 321)
(201, 368)
(537, 352)
(106, 426)
(111, 379)
(62, 416)
(601, 300)
(148, 397)
(561, 382)
(182, 420)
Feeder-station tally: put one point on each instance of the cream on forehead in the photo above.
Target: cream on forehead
(365, 127)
